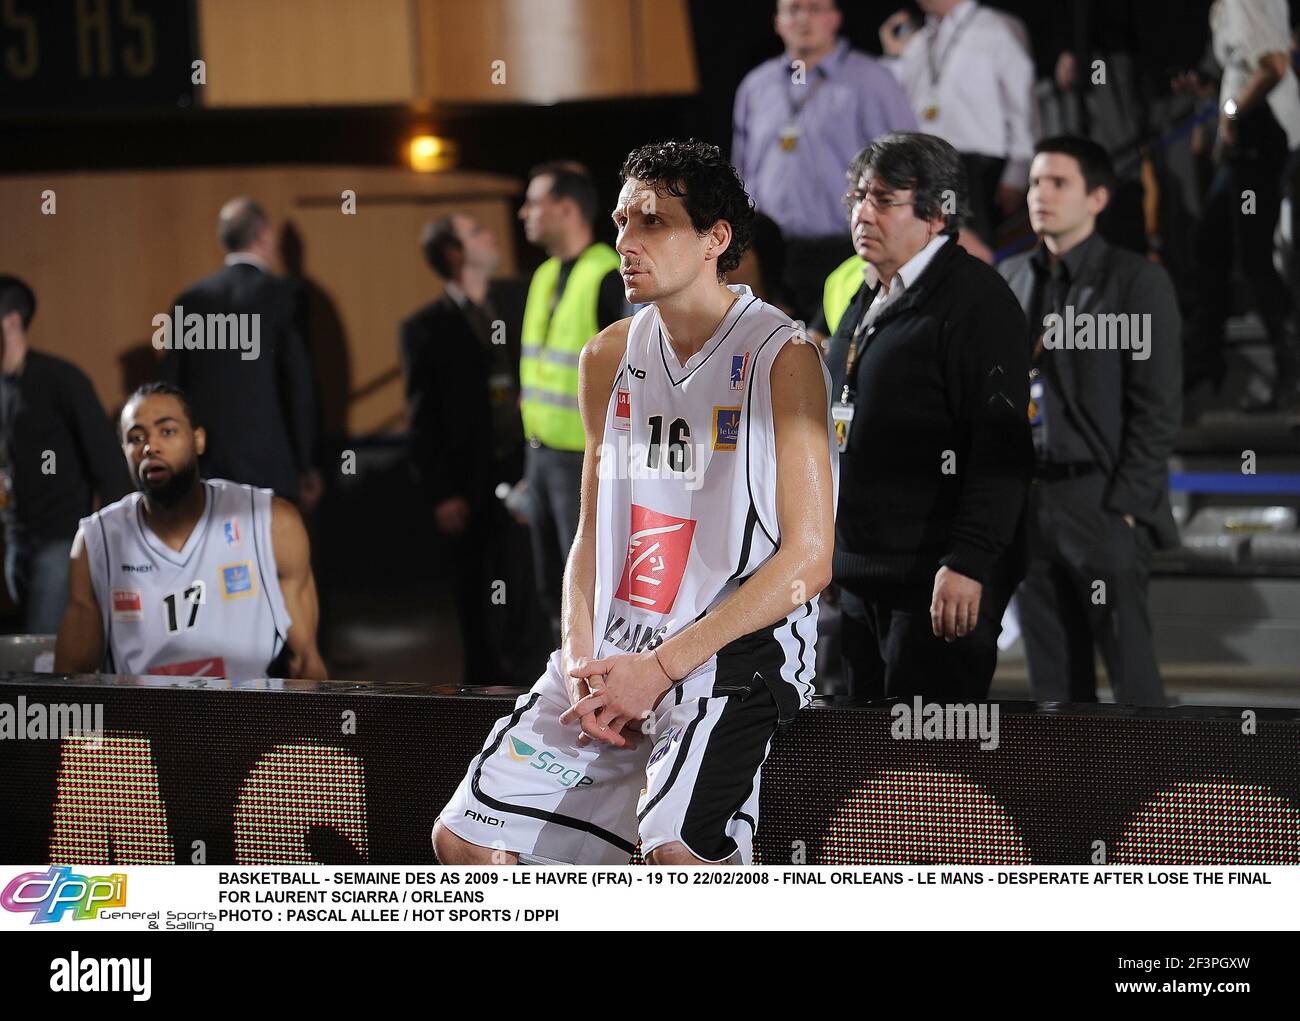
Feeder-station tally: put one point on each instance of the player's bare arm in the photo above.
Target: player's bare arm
(597, 369)
(80, 644)
(799, 569)
(298, 586)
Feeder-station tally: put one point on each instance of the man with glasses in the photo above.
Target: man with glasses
(801, 116)
(929, 372)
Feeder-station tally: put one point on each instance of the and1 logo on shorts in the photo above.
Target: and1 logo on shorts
(657, 552)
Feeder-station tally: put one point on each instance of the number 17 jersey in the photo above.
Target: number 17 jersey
(211, 609)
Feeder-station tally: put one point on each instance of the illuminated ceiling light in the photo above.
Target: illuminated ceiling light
(427, 153)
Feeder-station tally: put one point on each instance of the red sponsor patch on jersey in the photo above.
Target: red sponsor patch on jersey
(623, 410)
(127, 604)
(213, 666)
(657, 552)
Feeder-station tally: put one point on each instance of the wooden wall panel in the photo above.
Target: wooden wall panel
(342, 52)
(551, 50)
(307, 52)
(664, 48)
(122, 245)
(554, 50)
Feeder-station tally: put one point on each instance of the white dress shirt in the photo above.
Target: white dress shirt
(904, 277)
(1241, 32)
(983, 100)
(247, 259)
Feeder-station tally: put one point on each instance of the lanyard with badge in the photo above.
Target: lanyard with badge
(842, 411)
(790, 130)
(936, 62)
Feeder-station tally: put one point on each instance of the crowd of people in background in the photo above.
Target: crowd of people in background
(1067, 448)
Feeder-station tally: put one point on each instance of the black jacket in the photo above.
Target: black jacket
(260, 413)
(1127, 411)
(61, 447)
(939, 454)
(456, 448)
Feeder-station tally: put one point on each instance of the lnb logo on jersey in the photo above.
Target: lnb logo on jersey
(565, 776)
(49, 895)
(658, 549)
(739, 369)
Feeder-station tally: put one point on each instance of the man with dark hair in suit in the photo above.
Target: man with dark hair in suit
(261, 411)
(462, 385)
(1105, 407)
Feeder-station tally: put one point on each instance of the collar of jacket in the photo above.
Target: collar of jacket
(1078, 260)
(929, 280)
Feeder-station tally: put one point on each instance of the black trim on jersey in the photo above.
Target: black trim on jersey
(537, 813)
(749, 414)
(679, 758)
(753, 826)
(664, 356)
(261, 577)
(106, 662)
(750, 520)
(737, 748)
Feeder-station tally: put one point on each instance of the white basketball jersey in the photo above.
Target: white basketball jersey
(211, 609)
(686, 505)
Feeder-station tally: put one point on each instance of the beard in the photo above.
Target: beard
(171, 492)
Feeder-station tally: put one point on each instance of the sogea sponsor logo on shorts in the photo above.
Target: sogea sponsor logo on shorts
(565, 776)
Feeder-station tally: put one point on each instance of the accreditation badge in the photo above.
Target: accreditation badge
(842, 416)
(789, 135)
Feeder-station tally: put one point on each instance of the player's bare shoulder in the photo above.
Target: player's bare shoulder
(288, 535)
(797, 367)
(601, 355)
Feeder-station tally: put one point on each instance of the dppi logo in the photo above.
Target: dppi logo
(49, 894)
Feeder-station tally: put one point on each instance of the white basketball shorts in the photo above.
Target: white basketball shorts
(694, 779)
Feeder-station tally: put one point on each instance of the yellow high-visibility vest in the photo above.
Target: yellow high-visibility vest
(552, 342)
(841, 286)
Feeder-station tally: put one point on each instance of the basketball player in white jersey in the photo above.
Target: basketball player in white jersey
(691, 591)
(189, 576)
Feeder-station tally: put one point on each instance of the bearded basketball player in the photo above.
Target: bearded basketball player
(189, 576)
(691, 591)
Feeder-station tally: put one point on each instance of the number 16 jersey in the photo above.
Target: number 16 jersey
(686, 503)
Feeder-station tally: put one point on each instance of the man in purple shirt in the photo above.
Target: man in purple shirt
(800, 118)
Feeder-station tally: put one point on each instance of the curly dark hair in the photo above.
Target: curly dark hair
(712, 190)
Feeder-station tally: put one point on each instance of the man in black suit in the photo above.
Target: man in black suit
(929, 382)
(260, 411)
(1105, 408)
(460, 359)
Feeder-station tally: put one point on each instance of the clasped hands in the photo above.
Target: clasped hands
(611, 697)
